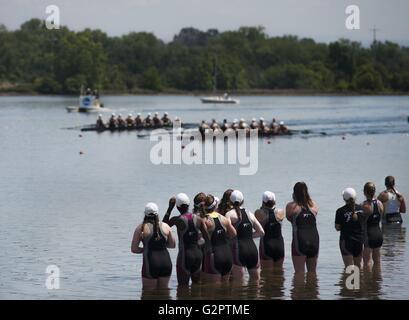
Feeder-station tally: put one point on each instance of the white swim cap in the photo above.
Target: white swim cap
(176, 119)
(281, 123)
(100, 115)
(254, 119)
(156, 113)
(349, 193)
(236, 196)
(149, 114)
(182, 199)
(138, 114)
(261, 119)
(235, 121)
(166, 113)
(151, 209)
(119, 115)
(113, 114)
(268, 196)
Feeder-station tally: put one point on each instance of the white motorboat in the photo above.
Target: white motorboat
(87, 103)
(220, 99)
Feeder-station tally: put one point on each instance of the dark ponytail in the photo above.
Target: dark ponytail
(301, 195)
(155, 222)
(198, 200)
(236, 207)
(225, 204)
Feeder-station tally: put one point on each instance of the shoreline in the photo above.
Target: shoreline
(238, 93)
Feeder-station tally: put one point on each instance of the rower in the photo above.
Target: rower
(88, 92)
(214, 125)
(112, 122)
(283, 128)
(177, 121)
(254, 124)
(129, 121)
(235, 125)
(243, 124)
(225, 125)
(121, 122)
(165, 119)
(148, 120)
(138, 120)
(274, 127)
(100, 122)
(203, 127)
(156, 120)
(262, 126)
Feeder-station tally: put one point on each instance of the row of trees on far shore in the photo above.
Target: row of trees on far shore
(33, 58)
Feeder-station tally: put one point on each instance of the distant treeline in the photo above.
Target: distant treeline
(60, 61)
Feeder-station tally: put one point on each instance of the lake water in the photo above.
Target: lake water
(78, 212)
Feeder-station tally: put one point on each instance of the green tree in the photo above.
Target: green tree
(367, 78)
(152, 80)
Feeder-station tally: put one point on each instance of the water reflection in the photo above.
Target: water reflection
(394, 240)
(149, 293)
(272, 284)
(305, 286)
(370, 284)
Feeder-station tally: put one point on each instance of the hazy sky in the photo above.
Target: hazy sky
(323, 20)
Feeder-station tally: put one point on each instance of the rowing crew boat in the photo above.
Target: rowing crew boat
(94, 127)
(169, 127)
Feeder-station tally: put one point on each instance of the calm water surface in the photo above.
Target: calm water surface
(79, 211)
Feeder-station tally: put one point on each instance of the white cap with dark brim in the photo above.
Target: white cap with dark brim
(182, 199)
(236, 196)
(348, 194)
(151, 209)
(269, 196)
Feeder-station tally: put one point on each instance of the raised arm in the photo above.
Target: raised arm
(136, 240)
(172, 202)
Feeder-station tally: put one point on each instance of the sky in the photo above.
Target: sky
(322, 20)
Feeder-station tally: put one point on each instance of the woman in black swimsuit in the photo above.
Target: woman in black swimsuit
(189, 227)
(156, 238)
(373, 237)
(272, 243)
(302, 212)
(245, 253)
(349, 220)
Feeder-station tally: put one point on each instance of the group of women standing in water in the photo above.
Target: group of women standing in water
(216, 239)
